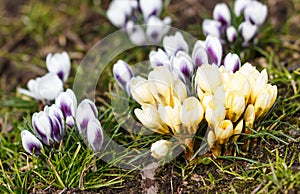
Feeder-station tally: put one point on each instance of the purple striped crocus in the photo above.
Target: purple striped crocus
(57, 119)
(222, 14)
(122, 74)
(30, 143)
(94, 134)
(182, 62)
(232, 62)
(43, 127)
(60, 64)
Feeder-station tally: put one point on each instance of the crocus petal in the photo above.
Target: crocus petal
(85, 111)
(231, 34)
(67, 103)
(222, 14)
(256, 13)
(49, 86)
(211, 27)
(122, 73)
(182, 62)
(59, 63)
(150, 8)
(232, 62)
(199, 55)
(156, 29)
(30, 143)
(239, 6)
(136, 33)
(214, 49)
(54, 112)
(175, 43)
(42, 126)
(159, 58)
(160, 149)
(248, 31)
(94, 134)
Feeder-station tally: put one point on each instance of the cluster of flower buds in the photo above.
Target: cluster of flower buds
(47, 87)
(232, 101)
(131, 14)
(230, 97)
(225, 27)
(49, 125)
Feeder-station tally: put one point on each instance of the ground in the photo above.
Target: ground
(31, 29)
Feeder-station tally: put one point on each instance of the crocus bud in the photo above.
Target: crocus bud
(191, 114)
(44, 88)
(214, 112)
(159, 58)
(60, 64)
(239, 6)
(208, 78)
(211, 138)
(182, 62)
(224, 131)
(235, 105)
(136, 33)
(265, 100)
(175, 43)
(150, 118)
(180, 90)
(248, 31)
(161, 82)
(249, 116)
(157, 28)
(122, 73)
(170, 115)
(57, 119)
(232, 62)
(231, 34)
(256, 13)
(160, 149)
(67, 103)
(199, 55)
(238, 130)
(30, 143)
(94, 134)
(43, 126)
(118, 11)
(150, 8)
(214, 50)
(221, 13)
(140, 91)
(85, 111)
(211, 27)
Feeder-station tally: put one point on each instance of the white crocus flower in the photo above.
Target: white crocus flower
(224, 131)
(248, 31)
(175, 43)
(182, 62)
(212, 27)
(232, 62)
(136, 33)
(214, 112)
(256, 13)
(161, 82)
(231, 34)
(30, 143)
(180, 90)
(60, 64)
(150, 118)
(44, 88)
(191, 114)
(222, 14)
(43, 127)
(150, 8)
(122, 74)
(157, 28)
(140, 91)
(159, 58)
(67, 103)
(160, 149)
(94, 134)
(239, 6)
(235, 105)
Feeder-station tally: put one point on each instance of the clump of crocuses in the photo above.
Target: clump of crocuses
(187, 88)
(237, 26)
(140, 19)
(49, 125)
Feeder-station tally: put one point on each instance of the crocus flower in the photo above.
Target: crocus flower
(182, 62)
(150, 8)
(224, 131)
(57, 119)
(150, 118)
(122, 74)
(221, 13)
(231, 34)
(94, 134)
(67, 103)
(85, 111)
(59, 63)
(191, 114)
(157, 28)
(232, 62)
(30, 143)
(235, 105)
(136, 33)
(43, 127)
(212, 27)
(140, 91)
(160, 149)
(256, 13)
(239, 6)
(159, 58)
(175, 43)
(44, 88)
(248, 31)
